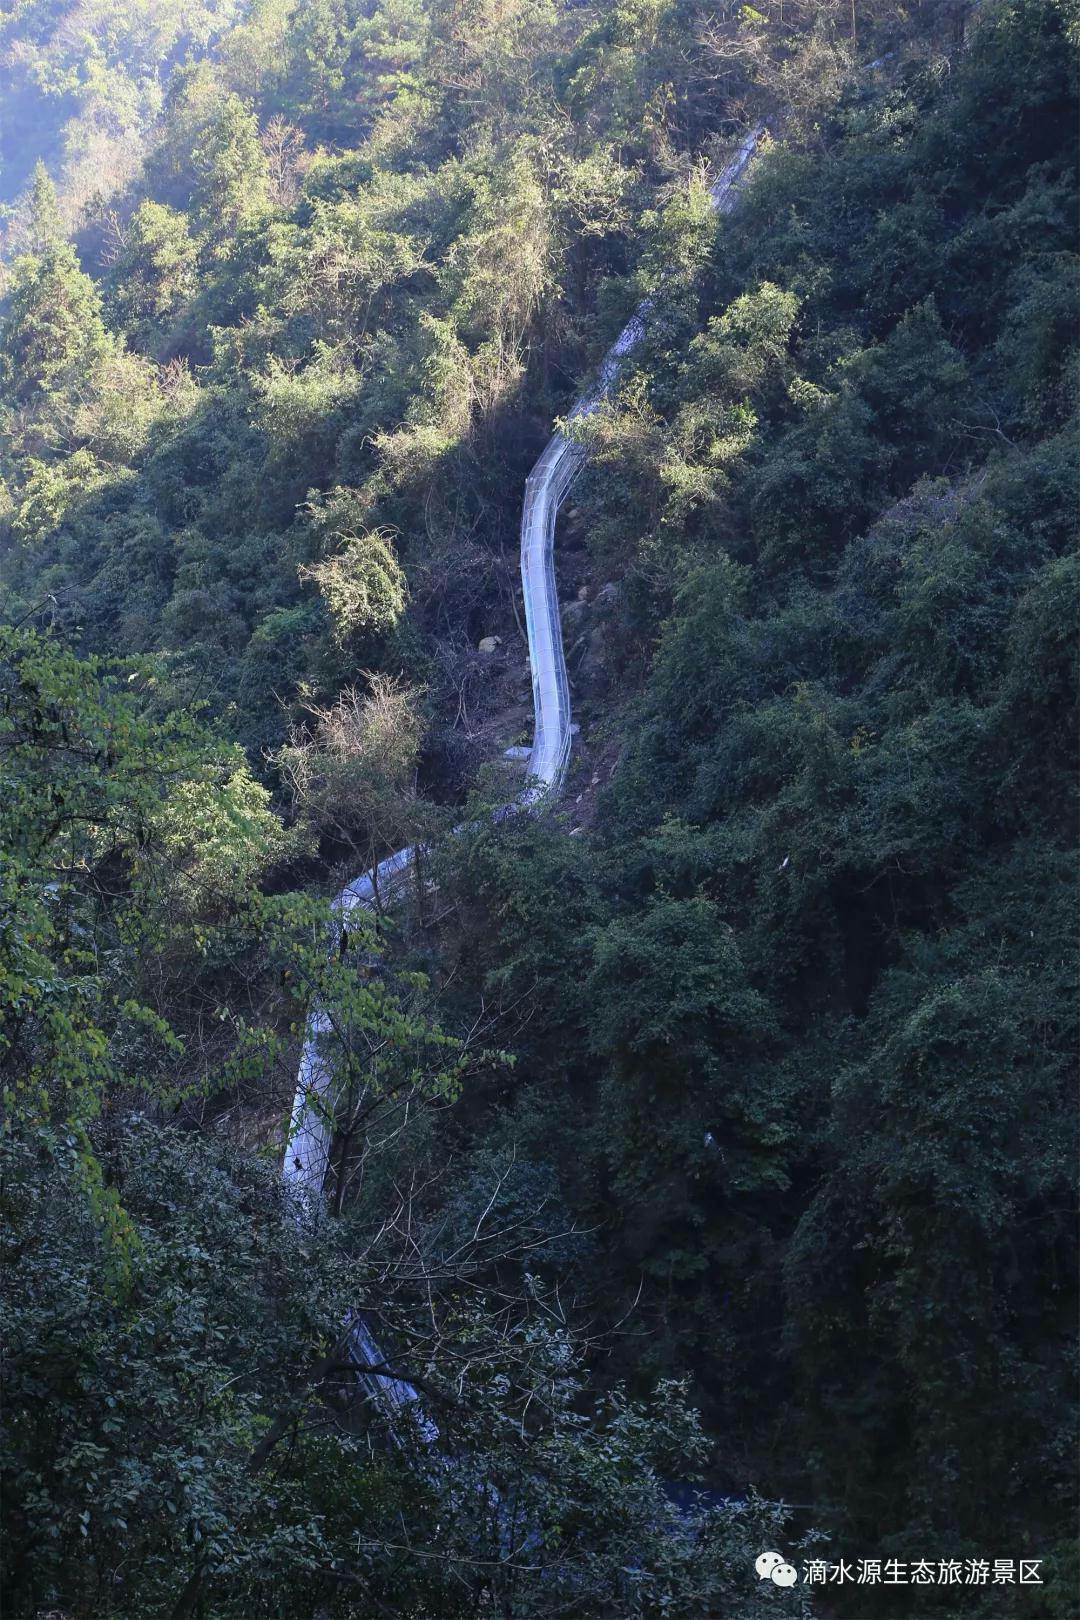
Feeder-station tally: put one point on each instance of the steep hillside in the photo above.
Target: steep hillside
(798, 1020)
(715, 1127)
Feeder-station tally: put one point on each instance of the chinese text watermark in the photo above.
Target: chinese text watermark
(901, 1571)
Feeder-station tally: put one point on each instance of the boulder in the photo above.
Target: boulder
(489, 646)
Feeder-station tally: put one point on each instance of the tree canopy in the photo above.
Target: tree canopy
(705, 1142)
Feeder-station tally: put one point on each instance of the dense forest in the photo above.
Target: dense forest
(705, 1139)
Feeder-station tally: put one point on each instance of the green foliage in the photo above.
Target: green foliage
(84, 777)
(678, 1027)
(187, 1439)
(153, 274)
(52, 329)
(812, 1017)
(361, 581)
(51, 490)
(149, 1404)
(228, 169)
(352, 770)
(789, 1007)
(131, 850)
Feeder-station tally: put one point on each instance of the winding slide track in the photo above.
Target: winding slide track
(307, 1153)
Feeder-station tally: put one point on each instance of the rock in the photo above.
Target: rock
(586, 660)
(608, 593)
(489, 645)
(583, 594)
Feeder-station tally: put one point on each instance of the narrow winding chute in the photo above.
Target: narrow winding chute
(311, 1129)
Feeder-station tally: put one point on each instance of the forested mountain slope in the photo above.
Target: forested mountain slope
(751, 1064)
(84, 85)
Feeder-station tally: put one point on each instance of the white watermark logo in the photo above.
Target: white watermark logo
(772, 1566)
